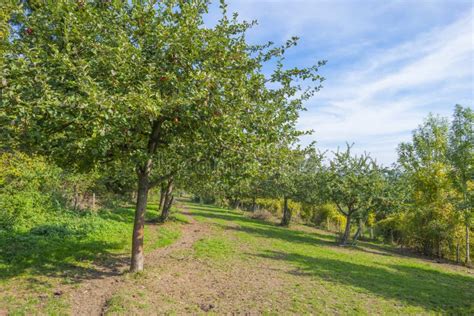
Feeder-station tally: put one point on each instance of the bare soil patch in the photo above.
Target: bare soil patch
(176, 281)
(92, 295)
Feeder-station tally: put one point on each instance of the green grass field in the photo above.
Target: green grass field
(72, 248)
(366, 280)
(233, 263)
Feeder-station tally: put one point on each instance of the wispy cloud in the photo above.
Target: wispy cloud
(390, 64)
(391, 92)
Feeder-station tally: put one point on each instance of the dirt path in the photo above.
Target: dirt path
(177, 281)
(91, 298)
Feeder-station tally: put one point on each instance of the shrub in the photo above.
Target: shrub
(324, 216)
(51, 230)
(273, 206)
(29, 189)
(390, 228)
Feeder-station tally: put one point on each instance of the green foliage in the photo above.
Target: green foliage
(461, 157)
(425, 202)
(430, 220)
(391, 228)
(29, 191)
(274, 206)
(164, 78)
(353, 182)
(33, 190)
(325, 215)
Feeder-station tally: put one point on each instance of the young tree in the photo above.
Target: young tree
(291, 177)
(97, 81)
(461, 157)
(303, 179)
(394, 199)
(352, 183)
(283, 182)
(430, 219)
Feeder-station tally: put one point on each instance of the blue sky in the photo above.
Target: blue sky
(390, 63)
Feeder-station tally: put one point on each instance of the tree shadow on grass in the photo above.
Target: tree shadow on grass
(265, 229)
(272, 230)
(206, 207)
(127, 214)
(227, 216)
(394, 251)
(65, 250)
(57, 256)
(283, 234)
(433, 290)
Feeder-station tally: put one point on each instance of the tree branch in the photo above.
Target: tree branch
(161, 179)
(341, 210)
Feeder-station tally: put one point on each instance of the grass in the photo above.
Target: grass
(326, 278)
(66, 251)
(118, 304)
(255, 266)
(213, 248)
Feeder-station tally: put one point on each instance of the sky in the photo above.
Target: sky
(389, 64)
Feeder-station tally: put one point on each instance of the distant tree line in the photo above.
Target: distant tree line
(423, 202)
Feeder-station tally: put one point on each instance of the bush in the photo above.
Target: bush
(29, 189)
(51, 230)
(33, 191)
(274, 206)
(390, 228)
(324, 216)
(22, 209)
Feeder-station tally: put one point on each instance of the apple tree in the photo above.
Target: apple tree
(91, 82)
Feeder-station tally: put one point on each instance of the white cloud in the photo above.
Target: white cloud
(390, 63)
(380, 100)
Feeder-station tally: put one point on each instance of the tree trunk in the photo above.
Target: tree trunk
(254, 204)
(285, 221)
(468, 252)
(166, 209)
(457, 251)
(168, 200)
(139, 223)
(371, 230)
(162, 197)
(347, 231)
(358, 232)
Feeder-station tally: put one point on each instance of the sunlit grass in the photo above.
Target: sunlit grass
(371, 279)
